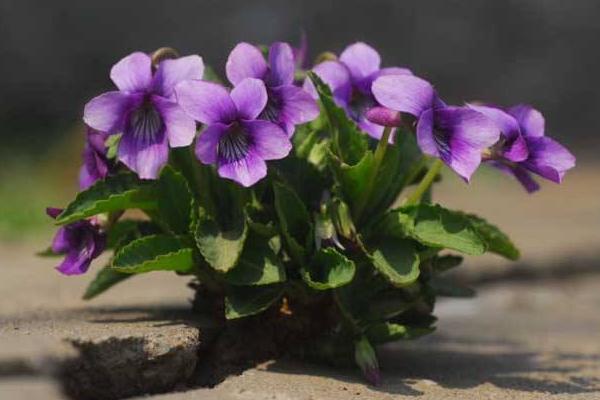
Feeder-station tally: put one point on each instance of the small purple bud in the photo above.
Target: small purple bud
(384, 116)
(366, 359)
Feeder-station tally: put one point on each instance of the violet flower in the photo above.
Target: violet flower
(96, 164)
(145, 111)
(524, 148)
(287, 105)
(80, 241)
(456, 135)
(234, 138)
(350, 79)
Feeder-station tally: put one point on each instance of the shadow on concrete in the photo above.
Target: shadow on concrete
(464, 364)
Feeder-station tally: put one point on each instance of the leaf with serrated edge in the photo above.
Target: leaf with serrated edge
(154, 253)
(115, 193)
(435, 226)
(352, 142)
(497, 241)
(244, 301)
(397, 260)
(328, 270)
(174, 200)
(258, 264)
(221, 249)
(104, 280)
(293, 218)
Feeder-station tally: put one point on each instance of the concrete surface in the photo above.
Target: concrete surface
(535, 339)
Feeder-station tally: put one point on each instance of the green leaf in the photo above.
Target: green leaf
(389, 332)
(342, 219)
(243, 301)
(350, 143)
(446, 288)
(293, 219)
(221, 247)
(497, 241)
(258, 264)
(104, 280)
(115, 193)
(397, 260)
(174, 200)
(435, 226)
(124, 231)
(154, 253)
(387, 304)
(401, 161)
(328, 270)
(354, 179)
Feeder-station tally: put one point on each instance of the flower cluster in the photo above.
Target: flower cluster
(278, 190)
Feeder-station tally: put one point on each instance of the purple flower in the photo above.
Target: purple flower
(80, 241)
(524, 148)
(234, 139)
(456, 135)
(287, 105)
(145, 110)
(96, 164)
(350, 80)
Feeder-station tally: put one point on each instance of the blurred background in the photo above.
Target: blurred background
(54, 56)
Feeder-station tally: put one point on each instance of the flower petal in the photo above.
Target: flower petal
(207, 145)
(144, 147)
(171, 72)
(460, 135)
(245, 61)
(296, 106)
(531, 120)
(515, 148)
(425, 134)
(548, 158)
(361, 60)
(281, 61)
(76, 262)
(337, 77)
(180, 128)
(250, 97)
(373, 130)
(61, 243)
(269, 141)
(53, 212)
(133, 73)
(206, 102)
(108, 112)
(245, 171)
(404, 93)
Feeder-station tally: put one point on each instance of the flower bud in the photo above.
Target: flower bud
(366, 359)
(384, 116)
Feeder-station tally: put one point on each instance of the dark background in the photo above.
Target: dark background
(55, 55)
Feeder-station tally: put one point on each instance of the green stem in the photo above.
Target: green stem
(425, 183)
(377, 160)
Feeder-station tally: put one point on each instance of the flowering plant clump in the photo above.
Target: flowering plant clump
(299, 201)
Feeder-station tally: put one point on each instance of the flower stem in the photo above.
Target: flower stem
(377, 160)
(425, 183)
